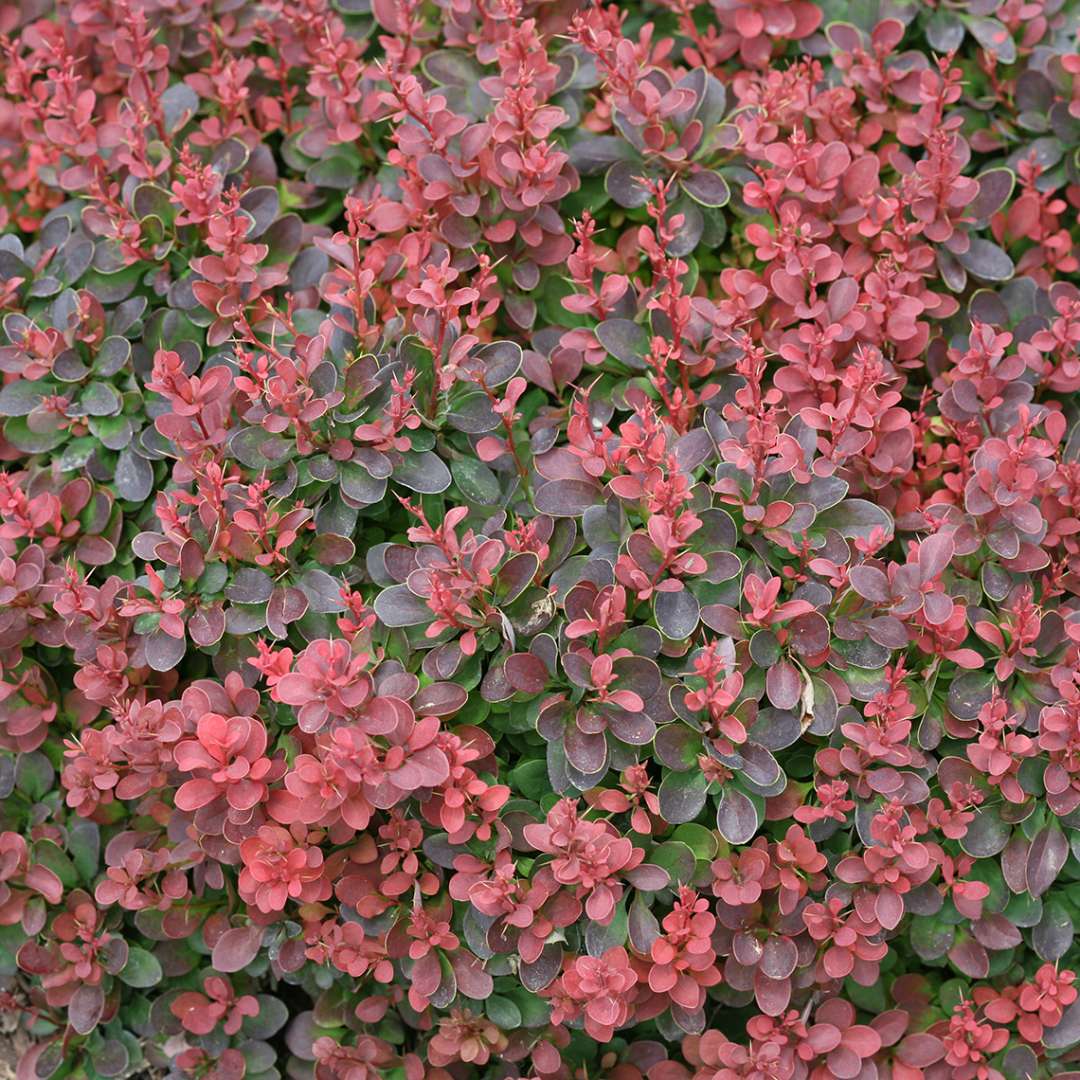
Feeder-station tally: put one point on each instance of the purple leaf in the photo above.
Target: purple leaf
(397, 606)
(439, 699)
(707, 188)
(236, 948)
(783, 684)
(809, 633)
(1053, 936)
(624, 339)
(473, 981)
(637, 729)
(85, 1008)
(544, 969)
(1066, 1032)
(772, 995)
(250, 586)
(995, 188)
(207, 625)
(995, 932)
(586, 752)
(526, 673)
(737, 816)
(870, 583)
(516, 575)
(677, 614)
(855, 519)
(987, 834)
(969, 957)
(566, 498)
(642, 925)
(1048, 853)
(1014, 861)
(780, 957)
(424, 472)
(163, 651)
(621, 185)
(986, 260)
(649, 878)
(286, 605)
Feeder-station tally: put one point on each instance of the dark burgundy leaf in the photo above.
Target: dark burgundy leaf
(648, 877)
(783, 684)
(86, 1007)
(236, 948)
(397, 606)
(676, 614)
(566, 498)
(1047, 855)
(737, 816)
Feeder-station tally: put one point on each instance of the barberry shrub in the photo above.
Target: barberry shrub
(540, 539)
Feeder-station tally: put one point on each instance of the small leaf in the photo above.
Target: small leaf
(1066, 1032)
(1053, 936)
(995, 189)
(994, 37)
(1047, 855)
(649, 877)
(134, 476)
(236, 948)
(987, 261)
(424, 472)
(621, 184)
(944, 32)
(526, 673)
(85, 1008)
(738, 816)
(682, 795)
(624, 339)
(677, 614)
(783, 684)
(987, 835)
(163, 651)
(566, 497)
(855, 519)
(707, 188)
(397, 606)
(142, 970)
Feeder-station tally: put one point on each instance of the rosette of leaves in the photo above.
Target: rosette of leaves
(508, 602)
(365, 390)
(691, 146)
(239, 601)
(756, 775)
(594, 733)
(75, 350)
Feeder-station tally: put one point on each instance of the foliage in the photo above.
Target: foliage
(540, 539)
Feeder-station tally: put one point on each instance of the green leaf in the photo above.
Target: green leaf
(475, 481)
(701, 841)
(142, 969)
(504, 1012)
(682, 795)
(677, 858)
(50, 856)
(34, 775)
(18, 433)
(530, 778)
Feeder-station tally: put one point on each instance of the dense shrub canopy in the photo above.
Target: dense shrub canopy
(540, 539)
